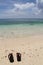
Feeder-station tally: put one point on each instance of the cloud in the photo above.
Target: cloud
(23, 10)
(41, 0)
(37, 11)
(24, 6)
(40, 4)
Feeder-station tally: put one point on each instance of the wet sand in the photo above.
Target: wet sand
(30, 47)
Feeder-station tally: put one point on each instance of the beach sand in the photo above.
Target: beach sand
(30, 47)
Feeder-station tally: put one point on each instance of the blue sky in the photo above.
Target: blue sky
(21, 8)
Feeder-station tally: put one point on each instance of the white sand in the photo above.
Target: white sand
(30, 47)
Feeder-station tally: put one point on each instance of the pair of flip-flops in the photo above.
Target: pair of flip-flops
(11, 58)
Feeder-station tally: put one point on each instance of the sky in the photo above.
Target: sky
(21, 8)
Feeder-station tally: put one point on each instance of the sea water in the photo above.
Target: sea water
(11, 28)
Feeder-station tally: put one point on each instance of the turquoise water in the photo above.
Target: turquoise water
(20, 30)
(11, 28)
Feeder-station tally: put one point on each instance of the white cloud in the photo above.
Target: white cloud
(41, 0)
(37, 11)
(24, 6)
(37, 1)
(32, 9)
(22, 10)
